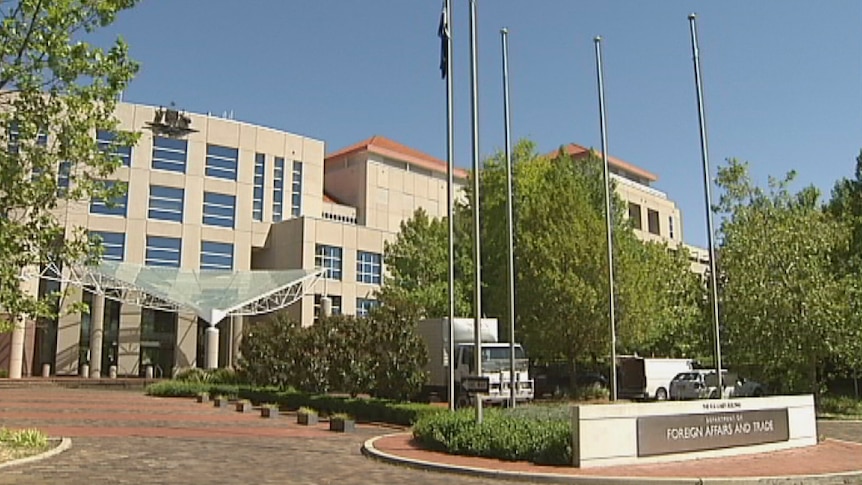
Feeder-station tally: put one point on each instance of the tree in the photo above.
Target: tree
(660, 302)
(417, 263)
(55, 91)
(398, 353)
(846, 207)
(785, 311)
(561, 265)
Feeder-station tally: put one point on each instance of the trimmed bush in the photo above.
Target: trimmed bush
(376, 410)
(541, 439)
(840, 405)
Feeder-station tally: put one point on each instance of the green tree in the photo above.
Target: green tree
(561, 265)
(785, 310)
(56, 90)
(660, 302)
(417, 264)
(397, 352)
(846, 207)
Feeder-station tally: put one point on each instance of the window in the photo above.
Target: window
(166, 203)
(169, 154)
(219, 209)
(653, 222)
(259, 178)
(670, 226)
(163, 251)
(116, 207)
(296, 191)
(635, 215)
(13, 134)
(336, 305)
(107, 143)
(368, 267)
(222, 162)
(364, 305)
(278, 189)
(63, 173)
(328, 257)
(113, 244)
(216, 255)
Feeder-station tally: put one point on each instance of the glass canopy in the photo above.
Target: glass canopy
(211, 294)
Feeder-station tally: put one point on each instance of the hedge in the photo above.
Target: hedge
(376, 410)
(502, 435)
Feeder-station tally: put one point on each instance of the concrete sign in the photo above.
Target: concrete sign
(661, 435)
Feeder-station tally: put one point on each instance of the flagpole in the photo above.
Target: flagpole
(608, 215)
(477, 253)
(450, 197)
(704, 153)
(504, 34)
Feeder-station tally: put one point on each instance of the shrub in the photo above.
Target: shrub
(842, 405)
(176, 388)
(379, 410)
(380, 354)
(24, 438)
(502, 435)
(211, 376)
(593, 392)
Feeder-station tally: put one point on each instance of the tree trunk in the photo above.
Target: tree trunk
(812, 380)
(573, 381)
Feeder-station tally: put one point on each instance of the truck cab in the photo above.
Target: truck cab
(495, 366)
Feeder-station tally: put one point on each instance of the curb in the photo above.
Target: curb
(65, 444)
(368, 449)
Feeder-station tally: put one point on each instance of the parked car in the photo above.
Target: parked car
(702, 384)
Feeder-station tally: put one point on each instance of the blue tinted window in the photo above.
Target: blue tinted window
(364, 305)
(278, 190)
(222, 162)
(117, 207)
(166, 203)
(63, 173)
(105, 140)
(368, 267)
(296, 190)
(113, 244)
(328, 257)
(259, 178)
(216, 255)
(219, 209)
(163, 251)
(169, 154)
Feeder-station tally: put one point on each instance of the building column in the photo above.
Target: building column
(236, 340)
(97, 325)
(16, 354)
(212, 347)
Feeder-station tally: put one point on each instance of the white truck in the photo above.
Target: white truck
(648, 378)
(495, 361)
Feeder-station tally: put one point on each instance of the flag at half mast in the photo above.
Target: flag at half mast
(444, 34)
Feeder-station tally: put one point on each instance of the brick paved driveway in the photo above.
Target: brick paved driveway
(123, 437)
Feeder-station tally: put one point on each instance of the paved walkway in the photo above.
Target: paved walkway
(125, 437)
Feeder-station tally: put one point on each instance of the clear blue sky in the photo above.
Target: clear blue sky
(782, 78)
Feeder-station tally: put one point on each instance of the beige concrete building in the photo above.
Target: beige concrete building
(207, 193)
(653, 215)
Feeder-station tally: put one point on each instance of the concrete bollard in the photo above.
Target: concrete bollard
(112, 372)
(148, 372)
(46, 370)
(85, 370)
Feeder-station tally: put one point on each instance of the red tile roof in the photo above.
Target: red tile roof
(577, 151)
(392, 149)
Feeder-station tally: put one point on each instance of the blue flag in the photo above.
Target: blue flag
(443, 33)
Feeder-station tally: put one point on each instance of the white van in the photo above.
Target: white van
(648, 378)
